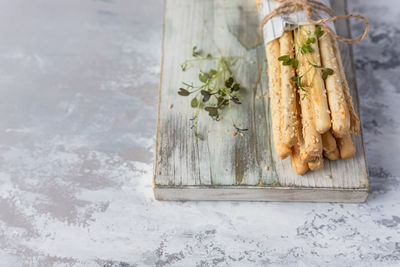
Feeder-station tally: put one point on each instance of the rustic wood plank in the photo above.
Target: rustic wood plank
(222, 166)
(253, 193)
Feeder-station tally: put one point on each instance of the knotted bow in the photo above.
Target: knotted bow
(311, 7)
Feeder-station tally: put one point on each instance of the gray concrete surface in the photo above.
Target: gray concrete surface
(78, 83)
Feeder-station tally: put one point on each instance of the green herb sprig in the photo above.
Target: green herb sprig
(217, 91)
(305, 49)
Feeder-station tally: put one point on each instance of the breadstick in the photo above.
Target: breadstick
(299, 129)
(288, 90)
(328, 142)
(332, 155)
(316, 164)
(299, 166)
(330, 148)
(312, 139)
(272, 51)
(354, 120)
(346, 147)
(336, 98)
(317, 90)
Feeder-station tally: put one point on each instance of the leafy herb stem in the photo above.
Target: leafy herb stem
(218, 89)
(305, 49)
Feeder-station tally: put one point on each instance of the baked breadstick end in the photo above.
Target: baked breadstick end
(283, 151)
(332, 155)
(346, 147)
(316, 164)
(328, 142)
(299, 166)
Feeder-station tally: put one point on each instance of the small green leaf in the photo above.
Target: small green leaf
(329, 71)
(235, 100)
(183, 92)
(295, 63)
(195, 53)
(236, 87)
(306, 49)
(318, 32)
(287, 62)
(229, 82)
(194, 103)
(326, 72)
(206, 95)
(310, 40)
(212, 72)
(297, 80)
(212, 111)
(221, 92)
(203, 77)
(284, 58)
(183, 66)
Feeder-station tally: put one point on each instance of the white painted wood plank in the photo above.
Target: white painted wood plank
(221, 160)
(229, 160)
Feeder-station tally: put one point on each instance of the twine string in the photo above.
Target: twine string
(311, 8)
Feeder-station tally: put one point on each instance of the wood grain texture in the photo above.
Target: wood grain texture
(223, 166)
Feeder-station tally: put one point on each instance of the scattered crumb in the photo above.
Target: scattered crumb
(170, 106)
(328, 176)
(252, 62)
(234, 133)
(266, 167)
(241, 134)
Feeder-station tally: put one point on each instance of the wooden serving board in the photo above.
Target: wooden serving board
(222, 166)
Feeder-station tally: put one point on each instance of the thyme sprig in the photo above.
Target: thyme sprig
(218, 90)
(306, 49)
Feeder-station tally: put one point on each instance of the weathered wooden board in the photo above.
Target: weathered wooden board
(224, 167)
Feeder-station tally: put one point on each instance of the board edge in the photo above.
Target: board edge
(260, 193)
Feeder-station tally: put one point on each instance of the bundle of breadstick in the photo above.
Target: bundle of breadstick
(311, 108)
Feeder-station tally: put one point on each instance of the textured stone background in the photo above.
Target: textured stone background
(78, 83)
